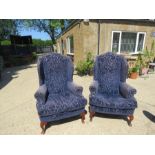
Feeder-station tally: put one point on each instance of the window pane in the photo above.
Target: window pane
(115, 44)
(71, 44)
(140, 42)
(128, 42)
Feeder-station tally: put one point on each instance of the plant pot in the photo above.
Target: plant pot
(133, 75)
(145, 71)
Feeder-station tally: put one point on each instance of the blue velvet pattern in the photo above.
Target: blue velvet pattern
(109, 92)
(58, 103)
(57, 97)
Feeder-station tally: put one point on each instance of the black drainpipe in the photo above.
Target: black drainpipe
(98, 47)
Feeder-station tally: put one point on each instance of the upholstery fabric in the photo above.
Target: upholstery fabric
(102, 100)
(41, 94)
(114, 111)
(57, 103)
(126, 90)
(57, 97)
(56, 73)
(75, 89)
(94, 87)
(109, 92)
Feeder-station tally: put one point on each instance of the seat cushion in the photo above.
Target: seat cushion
(119, 102)
(58, 103)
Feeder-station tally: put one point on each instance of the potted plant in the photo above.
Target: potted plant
(142, 64)
(134, 72)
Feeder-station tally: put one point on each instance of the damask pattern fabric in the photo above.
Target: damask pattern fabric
(109, 92)
(57, 103)
(57, 94)
(103, 100)
(55, 69)
(109, 73)
(106, 110)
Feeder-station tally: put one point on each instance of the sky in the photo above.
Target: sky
(35, 34)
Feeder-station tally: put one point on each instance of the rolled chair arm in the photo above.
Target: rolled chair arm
(75, 89)
(93, 87)
(41, 94)
(126, 90)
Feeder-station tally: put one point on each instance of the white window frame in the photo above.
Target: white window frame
(68, 46)
(120, 37)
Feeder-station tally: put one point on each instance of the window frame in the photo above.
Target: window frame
(120, 39)
(68, 46)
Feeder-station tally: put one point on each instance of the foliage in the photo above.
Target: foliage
(52, 27)
(8, 27)
(145, 57)
(134, 69)
(34, 55)
(85, 67)
(39, 42)
(149, 55)
(140, 61)
(6, 42)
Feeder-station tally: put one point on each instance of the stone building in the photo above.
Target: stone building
(122, 36)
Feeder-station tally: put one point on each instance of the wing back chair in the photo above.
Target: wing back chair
(109, 92)
(57, 97)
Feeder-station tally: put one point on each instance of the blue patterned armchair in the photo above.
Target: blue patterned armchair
(58, 97)
(109, 92)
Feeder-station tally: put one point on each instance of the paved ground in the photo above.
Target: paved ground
(18, 113)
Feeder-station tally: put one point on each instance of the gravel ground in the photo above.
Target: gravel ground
(18, 115)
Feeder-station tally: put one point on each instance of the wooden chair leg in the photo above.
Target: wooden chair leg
(130, 119)
(83, 116)
(91, 115)
(43, 127)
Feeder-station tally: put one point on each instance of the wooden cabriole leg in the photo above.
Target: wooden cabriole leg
(43, 127)
(130, 119)
(83, 116)
(91, 114)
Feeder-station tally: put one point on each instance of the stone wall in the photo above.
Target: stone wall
(86, 37)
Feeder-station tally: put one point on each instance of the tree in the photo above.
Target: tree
(8, 27)
(39, 42)
(53, 27)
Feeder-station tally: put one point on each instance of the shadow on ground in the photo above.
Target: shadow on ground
(107, 116)
(10, 73)
(150, 116)
(59, 122)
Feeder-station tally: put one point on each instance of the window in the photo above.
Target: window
(140, 42)
(127, 42)
(115, 46)
(70, 45)
(62, 46)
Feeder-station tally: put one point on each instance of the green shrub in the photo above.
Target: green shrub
(34, 55)
(134, 69)
(6, 42)
(85, 67)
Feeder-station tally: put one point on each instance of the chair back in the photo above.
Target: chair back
(54, 71)
(110, 69)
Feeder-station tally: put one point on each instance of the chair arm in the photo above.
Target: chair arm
(75, 89)
(41, 94)
(126, 90)
(93, 87)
